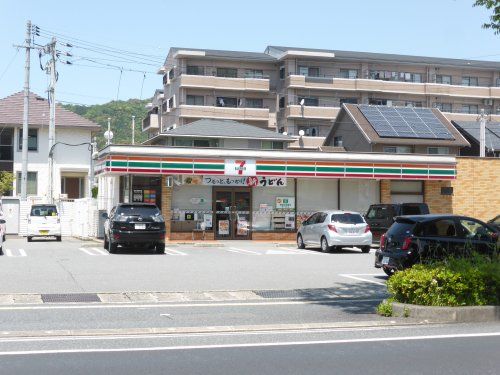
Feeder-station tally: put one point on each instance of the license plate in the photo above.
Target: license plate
(385, 260)
(140, 226)
(44, 232)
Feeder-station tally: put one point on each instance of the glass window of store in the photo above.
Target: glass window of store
(274, 207)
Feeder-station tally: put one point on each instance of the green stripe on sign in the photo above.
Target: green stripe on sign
(117, 163)
(329, 169)
(209, 166)
(359, 170)
(300, 168)
(448, 172)
(270, 168)
(415, 171)
(388, 170)
(144, 164)
(177, 165)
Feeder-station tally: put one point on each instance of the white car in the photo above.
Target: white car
(334, 230)
(44, 221)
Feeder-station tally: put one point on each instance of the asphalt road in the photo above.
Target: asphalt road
(74, 266)
(441, 349)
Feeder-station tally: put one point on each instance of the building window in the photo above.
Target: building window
(349, 73)
(224, 101)
(195, 70)
(348, 101)
(32, 139)
(413, 104)
(227, 72)
(469, 81)
(310, 102)
(31, 186)
(201, 143)
(74, 187)
(282, 72)
(183, 142)
(254, 103)
(6, 144)
(171, 74)
(271, 145)
(308, 71)
(438, 150)
(377, 102)
(282, 102)
(470, 108)
(170, 103)
(195, 100)
(443, 107)
(309, 131)
(445, 80)
(254, 73)
(398, 149)
(337, 141)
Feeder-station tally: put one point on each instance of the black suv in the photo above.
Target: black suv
(135, 224)
(381, 216)
(420, 238)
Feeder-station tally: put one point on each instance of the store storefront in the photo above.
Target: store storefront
(250, 194)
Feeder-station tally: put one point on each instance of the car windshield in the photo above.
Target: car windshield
(401, 229)
(45, 210)
(380, 212)
(411, 210)
(347, 218)
(137, 210)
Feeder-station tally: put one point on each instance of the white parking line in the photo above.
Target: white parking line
(355, 276)
(170, 251)
(15, 253)
(94, 251)
(242, 251)
(100, 251)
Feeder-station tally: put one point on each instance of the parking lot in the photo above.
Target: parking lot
(85, 266)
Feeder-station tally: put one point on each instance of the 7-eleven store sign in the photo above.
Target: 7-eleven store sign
(239, 167)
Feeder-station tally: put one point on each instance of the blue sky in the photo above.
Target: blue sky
(443, 28)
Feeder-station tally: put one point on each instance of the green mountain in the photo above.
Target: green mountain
(121, 113)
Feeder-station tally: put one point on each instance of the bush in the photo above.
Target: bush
(385, 307)
(454, 282)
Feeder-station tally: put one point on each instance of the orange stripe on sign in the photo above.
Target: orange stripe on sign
(329, 164)
(279, 162)
(185, 160)
(147, 158)
(367, 165)
(415, 166)
(208, 161)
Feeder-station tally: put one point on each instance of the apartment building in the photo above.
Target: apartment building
(300, 91)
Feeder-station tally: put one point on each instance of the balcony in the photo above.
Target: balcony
(224, 113)
(373, 85)
(151, 122)
(311, 112)
(224, 83)
(456, 116)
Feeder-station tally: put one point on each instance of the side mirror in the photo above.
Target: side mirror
(2, 221)
(104, 215)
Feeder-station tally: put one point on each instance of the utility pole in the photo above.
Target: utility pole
(24, 168)
(133, 130)
(93, 147)
(109, 131)
(482, 134)
(51, 68)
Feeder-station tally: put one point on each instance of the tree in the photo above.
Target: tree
(6, 182)
(495, 17)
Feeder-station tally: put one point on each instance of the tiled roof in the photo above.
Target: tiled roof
(471, 129)
(12, 107)
(225, 129)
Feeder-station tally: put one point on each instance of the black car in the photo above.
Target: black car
(381, 216)
(135, 224)
(495, 222)
(420, 238)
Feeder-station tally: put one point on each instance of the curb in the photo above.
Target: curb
(445, 314)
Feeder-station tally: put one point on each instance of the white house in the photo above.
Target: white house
(71, 163)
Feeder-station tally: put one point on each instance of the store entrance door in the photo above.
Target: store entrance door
(232, 213)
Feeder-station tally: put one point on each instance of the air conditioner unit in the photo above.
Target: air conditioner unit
(488, 101)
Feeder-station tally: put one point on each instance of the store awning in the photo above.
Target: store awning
(161, 160)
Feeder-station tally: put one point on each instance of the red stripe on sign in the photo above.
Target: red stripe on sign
(415, 177)
(291, 174)
(270, 173)
(442, 177)
(208, 172)
(387, 175)
(320, 174)
(177, 171)
(359, 175)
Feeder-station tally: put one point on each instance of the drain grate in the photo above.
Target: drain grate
(71, 297)
(294, 293)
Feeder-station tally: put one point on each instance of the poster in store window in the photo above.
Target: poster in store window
(290, 221)
(223, 227)
(137, 195)
(285, 203)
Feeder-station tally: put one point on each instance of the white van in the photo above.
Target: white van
(44, 221)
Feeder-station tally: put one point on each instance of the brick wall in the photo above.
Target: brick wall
(385, 191)
(274, 236)
(438, 204)
(476, 191)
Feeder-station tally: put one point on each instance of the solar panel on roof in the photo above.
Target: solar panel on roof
(405, 122)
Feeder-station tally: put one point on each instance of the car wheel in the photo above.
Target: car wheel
(30, 239)
(112, 247)
(324, 245)
(106, 243)
(365, 249)
(1, 250)
(3, 238)
(58, 238)
(300, 242)
(160, 248)
(388, 271)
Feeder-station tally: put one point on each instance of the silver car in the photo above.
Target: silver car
(332, 230)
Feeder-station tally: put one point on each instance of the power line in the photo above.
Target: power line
(10, 63)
